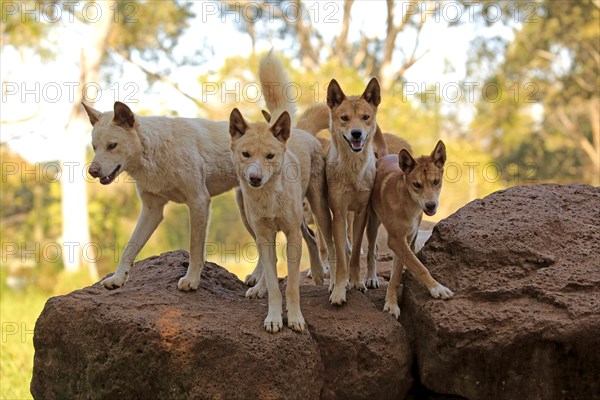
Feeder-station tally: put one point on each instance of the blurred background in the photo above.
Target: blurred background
(511, 87)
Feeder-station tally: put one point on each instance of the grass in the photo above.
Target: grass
(19, 311)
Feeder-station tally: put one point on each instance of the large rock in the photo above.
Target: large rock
(149, 340)
(524, 264)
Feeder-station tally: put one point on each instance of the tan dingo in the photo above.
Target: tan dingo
(405, 188)
(350, 176)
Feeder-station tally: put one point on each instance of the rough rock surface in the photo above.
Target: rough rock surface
(524, 264)
(149, 340)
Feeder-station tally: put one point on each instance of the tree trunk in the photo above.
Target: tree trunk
(78, 249)
(594, 154)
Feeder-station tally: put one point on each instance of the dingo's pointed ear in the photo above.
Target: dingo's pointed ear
(266, 114)
(438, 155)
(237, 124)
(123, 115)
(372, 93)
(93, 115)
(335, 96)
(406, 161)
(282, 127)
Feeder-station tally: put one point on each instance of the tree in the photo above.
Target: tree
(126, 29)
(372, 56)
(552, 64)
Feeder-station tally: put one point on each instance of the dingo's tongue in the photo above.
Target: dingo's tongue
(356, 144)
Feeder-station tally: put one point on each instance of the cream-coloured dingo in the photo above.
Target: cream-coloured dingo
(185, 160)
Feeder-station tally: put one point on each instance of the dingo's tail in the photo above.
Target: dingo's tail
(314, 119)
(274, 81)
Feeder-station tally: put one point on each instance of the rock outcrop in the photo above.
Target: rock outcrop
(524, 323)
(149, 340)
(524, 264)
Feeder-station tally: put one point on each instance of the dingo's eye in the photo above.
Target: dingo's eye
(246, 154)
(436, 182)
(345, 118)
(417, 185)
(112, 146)
(94, 147)
(270, 156)
(366, 117)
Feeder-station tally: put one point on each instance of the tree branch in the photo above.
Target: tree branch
(340, 47)
(303, 32)
(158, 77)
(573, 130)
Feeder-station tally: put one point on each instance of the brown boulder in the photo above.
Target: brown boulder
(149, 340)
(525, 322)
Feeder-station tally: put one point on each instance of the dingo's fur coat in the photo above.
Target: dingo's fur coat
(185, 160)
(277, 167)
(350, 176)
(315, 119)
(405, 188)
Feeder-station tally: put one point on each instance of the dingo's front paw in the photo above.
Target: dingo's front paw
(338, 295)
(256, 291)
(273, 324)
(392, 308)
(317, 277)
(372, 282)
(251, 279)
(441, 292)
(188, 283)
(358, 285)
(114, 282)
(296, 321)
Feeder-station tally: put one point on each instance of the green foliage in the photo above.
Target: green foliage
(149, 31)
(20, 30)
(550, 77)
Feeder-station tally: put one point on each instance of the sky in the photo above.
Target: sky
(37, 95)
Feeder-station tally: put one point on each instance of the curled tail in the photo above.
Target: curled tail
(314, 119)
(273, 82)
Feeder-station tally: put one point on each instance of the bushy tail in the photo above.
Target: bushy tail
(273, 82)
(314, 119)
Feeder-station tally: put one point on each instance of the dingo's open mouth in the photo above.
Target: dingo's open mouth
(105, 180)
(430, 212)
(355, 144)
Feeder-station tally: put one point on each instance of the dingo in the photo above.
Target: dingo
(277, 167)
(185, 160)
(405, 188)
(350, 176)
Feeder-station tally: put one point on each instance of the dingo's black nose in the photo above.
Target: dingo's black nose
(356, 133)
(94, 171)
(255, 180)
(430, 205)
